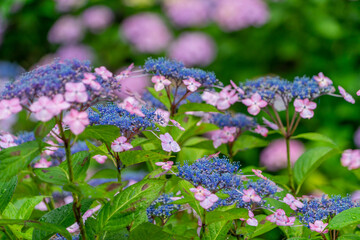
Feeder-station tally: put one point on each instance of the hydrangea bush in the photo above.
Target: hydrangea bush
(80, 173)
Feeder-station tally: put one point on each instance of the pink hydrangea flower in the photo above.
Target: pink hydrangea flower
(280, 218)
(89, 80)
(251, 220)
(43, 109)
(60, 104)
(9, 107)
(43, 163)
(210, 97)
(318, 226)
(76, 92)
(7, 140)
(100, 158)
(304, 107)
(259, 174)
(322, 80)
(263, 131)
(121, 145)
(218, 138)
(227, 97)
(103, 72)
(165, 165)
(250, 196)
(358, 93)
(160, 82)
(168, 144)
(255, 103)
(209, 201)
(351, 159)
(191, 84)
(176, 124)
(200, 193)
(346, 95)
(77, 121)
(292, 202)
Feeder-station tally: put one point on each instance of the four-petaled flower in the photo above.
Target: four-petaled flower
(76, 92)
(305, 107)
(318, 226)
(77, 121)
(292, 202)
(322, 80)
(168, 144)
(255, 103)
(191, 84)
(160, 82)
(263, 131)
(43, 163)
(250, 195)
(103, 72)
(346, 95)
(204, 196)
(9, 107)
(227, 97)
(165, 165)
(100, 158)
(89, 80)
(59, 104)
(210, 97)
(43, 109)
(121, 144)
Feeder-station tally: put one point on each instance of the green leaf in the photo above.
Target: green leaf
(315, 137)
(105, 173)
(149, 231)
(43, 129)
(62, 216)
(231, 214)
(138, 156)
(136, 197)
(185, 190)
(103, 133)
(6, 191)
(263, 226)
(345, 218)
(217, 231)
(197, 107)
(161, 96)
(245, 142)
(80, 163)
(309, 161)
(37, 225)
(55, 175)
(27, 207)
(349, 237)
(15, 159)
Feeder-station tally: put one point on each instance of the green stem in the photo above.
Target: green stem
(76, 202)
(289, 168)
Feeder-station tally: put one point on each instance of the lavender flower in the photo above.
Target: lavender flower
(66, 29)
(238, 120)
(185, 13)
(233, 15)
(24, 137)
(97, 18)
(162, 208)
(193, 49)
(147, 32)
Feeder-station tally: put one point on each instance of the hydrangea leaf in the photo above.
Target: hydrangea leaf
(315, 137)
(217, 230)
(103, 133)
(345, 218)
(197, 107)
(7, 189)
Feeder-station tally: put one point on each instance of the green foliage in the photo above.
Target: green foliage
(345, 218)
(197, 107)
(7, 189)
(104, 133)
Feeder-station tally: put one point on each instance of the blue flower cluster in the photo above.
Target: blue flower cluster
(212, 173)
(238, 120)
(49, 80)
(111, 114)
(9, 70)
(176, 71)
(269, 87)
(323, 208)
(162, 207)
(24, 137)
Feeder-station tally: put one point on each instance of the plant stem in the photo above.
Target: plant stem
(76, 202)
(289, 168)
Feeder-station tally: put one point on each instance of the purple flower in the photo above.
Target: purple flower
(97, 18)
(147, 32)
(66, 29)
(233, 15)
(186, 13)
(193, 49)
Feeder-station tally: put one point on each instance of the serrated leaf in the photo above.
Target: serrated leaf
(345, 218)
(62, 216)
(217, 230)
(15, 159)
(37, 225)
(104, 133)
(135, 197)
(137, 156)
(7, 189)
(235, 213)
(349, 237)
(309, 161)
(315, 137)
(27, 207)
(197, 107)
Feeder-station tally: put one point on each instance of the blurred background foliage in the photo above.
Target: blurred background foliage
(285, 37)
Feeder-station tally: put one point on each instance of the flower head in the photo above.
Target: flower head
(305, 107)
(318, 226)
(255, 103)
(322, 80)
(100, 158)
(263, 131)
(77, 121)
(44, 109)
(227, 97)
(168, 144)
(250, 196)
(191, 84)
(165, 165)
(9, 107)
(89, 80)
(160, 82)
(76, 92)
(103, 72)
(121, 144)
(292, 202)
